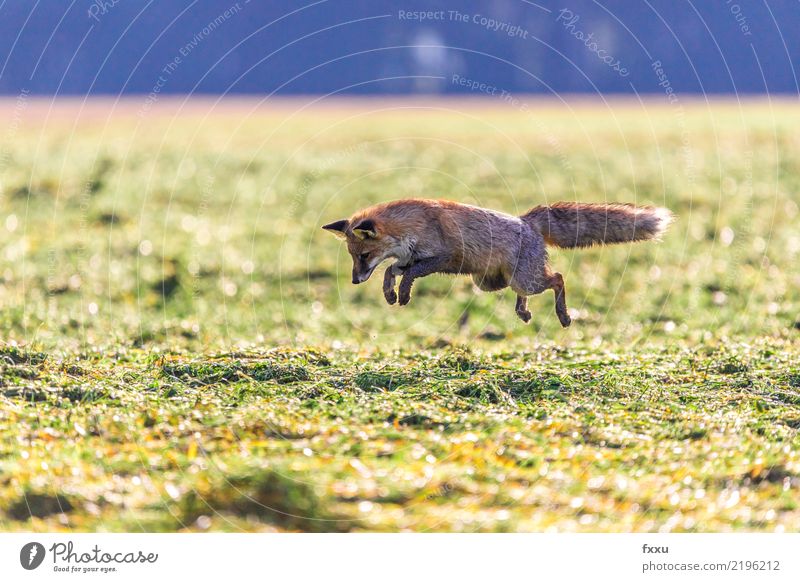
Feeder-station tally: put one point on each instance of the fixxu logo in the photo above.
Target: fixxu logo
(31, 555)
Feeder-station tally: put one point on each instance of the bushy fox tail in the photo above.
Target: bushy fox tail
(572, 224)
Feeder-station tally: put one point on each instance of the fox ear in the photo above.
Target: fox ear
(338, 228)
(365, 229)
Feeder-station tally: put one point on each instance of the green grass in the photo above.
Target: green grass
(183, 349)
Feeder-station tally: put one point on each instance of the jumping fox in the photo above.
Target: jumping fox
(498, 250)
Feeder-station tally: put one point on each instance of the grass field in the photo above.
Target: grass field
(182, 348)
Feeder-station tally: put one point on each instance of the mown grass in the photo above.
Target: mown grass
(697, 439)
(183, 351)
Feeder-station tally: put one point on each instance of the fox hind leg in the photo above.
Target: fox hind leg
(556, 283)
(532, 275)
(534, 286)
(522, 308)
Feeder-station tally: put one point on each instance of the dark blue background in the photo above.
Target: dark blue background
(53, 47)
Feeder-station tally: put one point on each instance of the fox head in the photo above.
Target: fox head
(366, 243)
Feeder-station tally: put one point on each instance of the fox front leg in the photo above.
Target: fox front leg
(388, 286)
(389, 278)
(421, 268)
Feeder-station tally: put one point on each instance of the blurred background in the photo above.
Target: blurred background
(166, 166)
(91, 47)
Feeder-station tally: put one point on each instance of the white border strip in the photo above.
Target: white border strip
(404, 557)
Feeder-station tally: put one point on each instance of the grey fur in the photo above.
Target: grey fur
(570, 225)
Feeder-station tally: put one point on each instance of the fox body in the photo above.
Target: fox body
(498, 250)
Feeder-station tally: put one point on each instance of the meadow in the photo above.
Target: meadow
(182, 349)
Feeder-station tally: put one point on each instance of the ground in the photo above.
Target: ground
(183, 351)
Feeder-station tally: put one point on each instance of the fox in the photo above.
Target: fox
(496, 249)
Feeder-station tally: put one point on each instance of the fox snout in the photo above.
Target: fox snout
(360, 275)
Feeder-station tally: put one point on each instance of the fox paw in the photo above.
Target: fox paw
(391, 297)
(525, 316)
(565, 320)
(404, 298)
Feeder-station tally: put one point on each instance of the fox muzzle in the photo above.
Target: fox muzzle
(360, 277)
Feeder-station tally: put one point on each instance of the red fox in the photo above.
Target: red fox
(498, 250)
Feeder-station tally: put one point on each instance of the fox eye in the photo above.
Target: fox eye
(363, 256)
